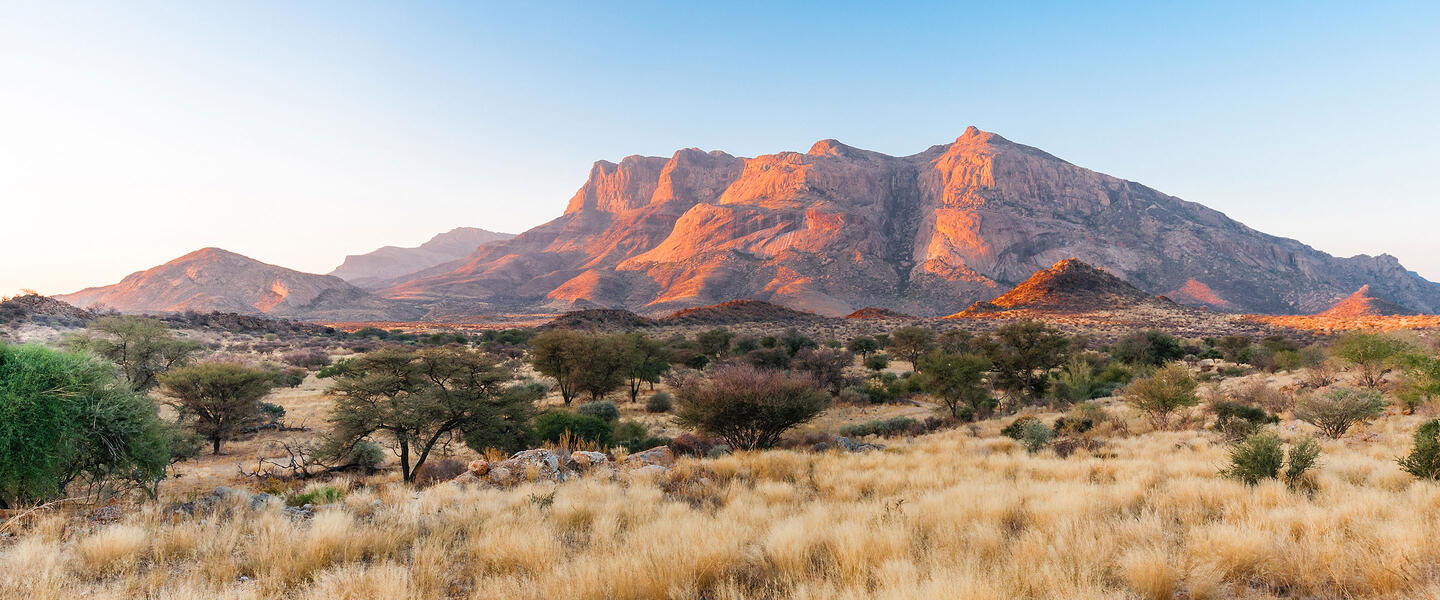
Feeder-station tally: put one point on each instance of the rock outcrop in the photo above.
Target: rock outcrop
(838, 228)
(374, 269)
(1068, 287)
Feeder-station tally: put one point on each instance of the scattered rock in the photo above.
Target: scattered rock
(661, 456)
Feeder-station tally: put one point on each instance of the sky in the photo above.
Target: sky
(299, 132)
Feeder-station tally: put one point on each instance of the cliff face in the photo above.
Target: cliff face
(373, 269)
(212, 279)
(838, 228)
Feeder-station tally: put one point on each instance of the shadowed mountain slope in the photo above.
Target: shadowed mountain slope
(373, 269)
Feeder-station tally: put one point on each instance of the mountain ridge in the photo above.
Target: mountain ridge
(374, 268)
(838, 228)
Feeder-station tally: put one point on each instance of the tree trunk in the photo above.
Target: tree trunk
(405, 460)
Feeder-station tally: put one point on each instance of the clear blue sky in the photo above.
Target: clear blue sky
(295, 133)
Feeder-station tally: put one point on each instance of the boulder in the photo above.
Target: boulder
(661, 456)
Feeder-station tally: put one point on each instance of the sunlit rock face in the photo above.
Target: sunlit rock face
(838, 228)
(1363, 303)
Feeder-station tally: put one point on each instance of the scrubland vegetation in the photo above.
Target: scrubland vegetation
(911, 463)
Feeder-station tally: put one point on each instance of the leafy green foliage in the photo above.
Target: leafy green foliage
(910, 343)
(1373, 354)
(882, 427)
(1424, 458)
(1149, 347)
(65, 419)
(1239, 421)
(877, 362)
(1162, 393)
(217, 399)
(553, 426)
(864, 346)
(421, 399)
(958, 382)
(1263, 455)
(603, 410)
(1021, 355)
(715, 342)
(142, 348)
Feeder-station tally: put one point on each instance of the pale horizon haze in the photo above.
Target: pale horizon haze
(298, 133)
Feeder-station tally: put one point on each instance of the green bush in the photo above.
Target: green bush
(1262, 456)
(1424, 458)
(1016, 428)
(1334, 411)
(630, 434)
(551, 426)
(1239, 421)
(1149, 347)
(324, 494)
(882, 427)
(1030, 432)
(658, 402)
(65, 418)
(877, 361)
(1167, 390)
(604, 410)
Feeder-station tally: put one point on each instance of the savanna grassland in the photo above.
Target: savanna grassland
(1145, 500)
(964, 513)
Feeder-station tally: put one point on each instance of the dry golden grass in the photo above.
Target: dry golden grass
(959, 514)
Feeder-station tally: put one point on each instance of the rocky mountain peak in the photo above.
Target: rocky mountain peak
(1363, 303)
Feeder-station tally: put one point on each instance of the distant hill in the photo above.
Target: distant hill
(598, 318)
(375, 268)
(212, 279)
(740, 311)
(1069, 286)
(1363, 304)
(872, 312)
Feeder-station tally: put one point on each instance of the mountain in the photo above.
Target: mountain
(1069, 286)
(838, 228)
(1363, 304)
(740, 311)
(375, 268)
(212, 279)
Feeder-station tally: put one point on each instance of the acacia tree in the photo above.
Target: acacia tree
(218, 398)
(643, 361)
(142, 348)
(423, 399)
(958, 381)
(910, 343)
(1021, 354)
(555, 354)
(1374, 354)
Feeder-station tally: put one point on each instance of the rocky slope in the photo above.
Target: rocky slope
(838, 228)
(212, 279)
(1364, 304)
(1069, 286)
(374, 269)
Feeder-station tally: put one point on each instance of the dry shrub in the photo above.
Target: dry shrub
(438, 471)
